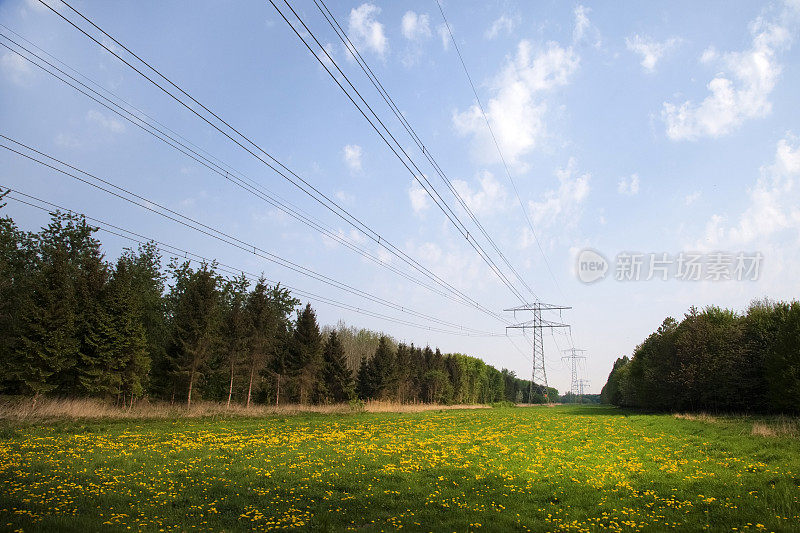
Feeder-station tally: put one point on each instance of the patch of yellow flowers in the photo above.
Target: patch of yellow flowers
(524, 468)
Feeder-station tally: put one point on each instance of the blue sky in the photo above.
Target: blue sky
(627, 127)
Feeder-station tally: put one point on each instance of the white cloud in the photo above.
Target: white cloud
(444, 35)
(367, 32)
(459, 266)
(562, 206)
(584, 30)
(769, 224)
(353, 236)
(108, 123)
(629, 186)
(384, 256)
(503, 24)
(774, 204)
(420, 201)
(415, 26)
(650, 50)
(709, 54)
(741, 92)
(416, 29)
(581, 22)
(490, 198)
(15, 68)
(345, 197)
(352, 155)
(689, 199)
(516, 111)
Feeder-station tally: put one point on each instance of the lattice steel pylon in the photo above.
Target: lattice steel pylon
(573, 357)
(539, 374)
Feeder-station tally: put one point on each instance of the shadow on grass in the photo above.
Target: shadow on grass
(592, 410)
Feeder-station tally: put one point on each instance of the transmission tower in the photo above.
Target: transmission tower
(539, 374)
(573, 358)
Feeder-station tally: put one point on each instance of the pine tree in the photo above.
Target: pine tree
(269, 310)
(237, 329)
(142, 270)
(17, 269)
(130, 344)
(382, 370)
(305, 356)
(196, 321)
(92, 372)
(403, 373)
(263, 323)
(364, 386)
(48, 347)
(337, 377)
(99, 368)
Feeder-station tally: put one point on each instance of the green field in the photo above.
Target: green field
(510, 469)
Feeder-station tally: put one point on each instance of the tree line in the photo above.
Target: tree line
(715, 360)
(74, 324)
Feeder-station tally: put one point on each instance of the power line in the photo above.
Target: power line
(170, 214)
(340, 32)
(252, 148)
(190, 256)
(243, 182)
(396, 148)
(497, 146)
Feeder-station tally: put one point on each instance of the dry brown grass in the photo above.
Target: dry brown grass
(698, 417)
(87, 408)
(782, 427)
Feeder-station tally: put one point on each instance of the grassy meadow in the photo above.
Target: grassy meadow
(565, 468)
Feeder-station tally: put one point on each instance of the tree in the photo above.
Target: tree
(336, 376)
(383, 369)
(268, 310)
(146, 280)
(305, 356)
(196, 320)
(237, 329)
(17, 268)
(404, 373)
(782, 365)
(98, 371)
(48, 347)
(364, 386)
(129, 340)
(717, 360)
(611, 393)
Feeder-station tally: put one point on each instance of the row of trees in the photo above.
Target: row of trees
(716, 360)
(74, 324)
(412, 374)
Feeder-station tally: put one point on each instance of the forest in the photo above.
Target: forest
(715, 360)
(73, 324)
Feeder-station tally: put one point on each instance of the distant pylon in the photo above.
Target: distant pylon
(573, 357)
(539, 374)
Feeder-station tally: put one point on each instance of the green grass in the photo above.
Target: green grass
(507, 469)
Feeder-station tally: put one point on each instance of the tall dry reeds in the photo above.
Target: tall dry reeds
(89, 408)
